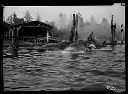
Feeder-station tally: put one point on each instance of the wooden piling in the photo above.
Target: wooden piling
(122, 33)
(113, 33)
(14, 43)
(74, 33)
(47, 36)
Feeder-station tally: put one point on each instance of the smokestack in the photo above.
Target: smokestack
(74, 21)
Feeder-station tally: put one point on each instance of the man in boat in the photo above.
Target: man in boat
(93, 41)
(90, 47)
(104, 44)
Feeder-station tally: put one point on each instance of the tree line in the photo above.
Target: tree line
(14, 20)
(63, 30)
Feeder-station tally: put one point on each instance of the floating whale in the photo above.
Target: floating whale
(72, 47)
(84, 46)
(54, 46)
(76, 47)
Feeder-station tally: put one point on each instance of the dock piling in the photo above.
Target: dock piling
(15, 43)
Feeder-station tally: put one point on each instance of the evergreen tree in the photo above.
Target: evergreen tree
(93, 21)
(4, 19)
(13, 19)
(28, 16)
(105, 22)
(62, 21)
(80, 20)
(9, 19)
(38, 18)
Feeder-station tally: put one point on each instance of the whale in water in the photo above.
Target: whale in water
(82, 46)
(54, 46)
(76, 47)
(69, 47)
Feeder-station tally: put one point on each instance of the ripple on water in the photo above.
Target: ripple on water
(53, 70)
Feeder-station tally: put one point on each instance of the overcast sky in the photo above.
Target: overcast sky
(51, 12)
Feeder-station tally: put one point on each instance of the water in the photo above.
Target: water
(58, 71)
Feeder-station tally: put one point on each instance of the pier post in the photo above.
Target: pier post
(47, 36)
(15, 44)
(113, 33)
(122, 33)
(74, 27)
(60, 34)
(76, 36)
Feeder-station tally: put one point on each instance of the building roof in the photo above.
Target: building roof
(6, 25)
(34, 24)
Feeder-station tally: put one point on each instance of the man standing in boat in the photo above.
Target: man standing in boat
(92, 40)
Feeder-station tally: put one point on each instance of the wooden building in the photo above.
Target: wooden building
(31, 31)
(5, 29)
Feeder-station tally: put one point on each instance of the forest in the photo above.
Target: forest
(62, 27)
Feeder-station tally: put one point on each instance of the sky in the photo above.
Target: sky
(50, 13)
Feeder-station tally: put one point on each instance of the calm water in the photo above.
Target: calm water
(57, 71)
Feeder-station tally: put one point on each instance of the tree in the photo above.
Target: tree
(4, 19)
(93, 21)
(62, 20)
(9, 19)
(80, 19)
(19, 20)
(28, 16)
(38, 18)
(13, 19)
(55, 31)
(46, 22)
(52, 23)
(62, 24)
(105, 21)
